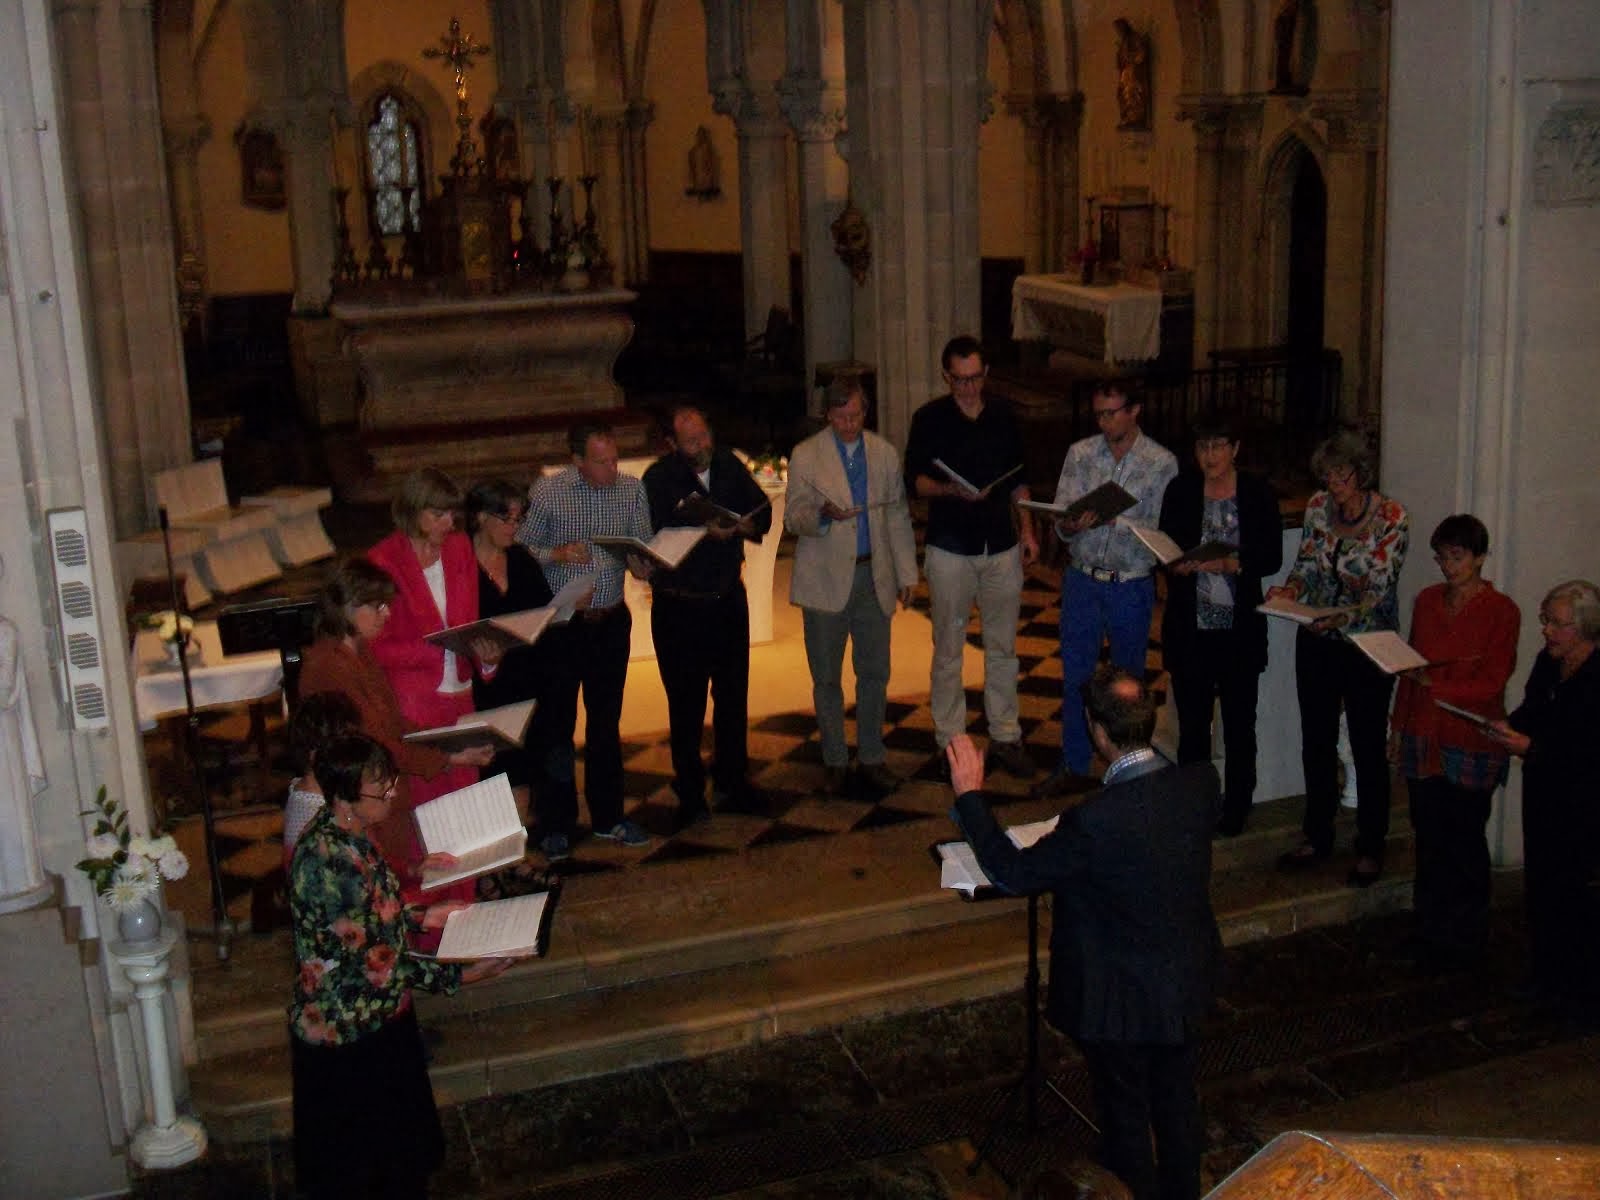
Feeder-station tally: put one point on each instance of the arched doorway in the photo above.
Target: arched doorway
(1308, 257)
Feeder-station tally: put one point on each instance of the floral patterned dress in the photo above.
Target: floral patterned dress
(364, 1116)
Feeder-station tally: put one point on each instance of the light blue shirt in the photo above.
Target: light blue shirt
(855, 473)
(1144, 472)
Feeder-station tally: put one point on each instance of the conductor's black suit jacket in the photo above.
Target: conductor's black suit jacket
(1133, 943)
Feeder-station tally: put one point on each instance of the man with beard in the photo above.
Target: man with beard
(700, 616)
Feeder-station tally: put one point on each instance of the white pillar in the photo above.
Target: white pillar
(167, 1140)
(22, 879)
(814, 110)
(763, 199)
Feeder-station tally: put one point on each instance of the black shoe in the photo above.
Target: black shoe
(1229, 829)
(1365, 873)
(742, 798)
(1303, 856)
(878, 777)
(1012, 758)
(836, 780)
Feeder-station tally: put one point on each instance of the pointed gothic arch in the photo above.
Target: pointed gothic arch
(1292, 266)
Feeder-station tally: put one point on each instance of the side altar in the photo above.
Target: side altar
(484, 384)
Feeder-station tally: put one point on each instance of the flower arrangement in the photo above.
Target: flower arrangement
(124, 869)
(170, 626)
(768, 469)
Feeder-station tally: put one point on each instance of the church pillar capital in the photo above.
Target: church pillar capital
(639, 114)
(1232, 121)
(814, 107)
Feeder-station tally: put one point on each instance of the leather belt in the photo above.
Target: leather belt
(1102, 575)
(682, 594)
(600, 614)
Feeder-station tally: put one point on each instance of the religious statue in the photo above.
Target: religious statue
(1293, 37)
(704, 170)
(1133, 77)
(22, 880)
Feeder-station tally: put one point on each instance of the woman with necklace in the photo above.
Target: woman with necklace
(1552, 731)
(1468, 633)
(510, 580)
(1213, 641)
(1352, 546)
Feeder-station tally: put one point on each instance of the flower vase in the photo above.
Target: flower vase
(192, 652)
(575, 279)
(139, 924)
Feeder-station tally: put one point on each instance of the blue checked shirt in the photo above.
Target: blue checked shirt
(564, 508)
(1144, 472)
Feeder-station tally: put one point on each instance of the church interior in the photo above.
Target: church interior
(264, 258)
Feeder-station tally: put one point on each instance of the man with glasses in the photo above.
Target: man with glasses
(700, 616)
(1107, 592)
(976, 549)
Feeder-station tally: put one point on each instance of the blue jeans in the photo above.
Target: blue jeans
(1092, 612)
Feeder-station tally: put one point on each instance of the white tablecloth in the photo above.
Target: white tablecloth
(158, 686)
(1132, 315)
(760, 558)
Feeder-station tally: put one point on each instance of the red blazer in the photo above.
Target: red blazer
(413, 666)
(331, 666)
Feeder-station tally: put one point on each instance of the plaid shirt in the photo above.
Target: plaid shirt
(565, 508)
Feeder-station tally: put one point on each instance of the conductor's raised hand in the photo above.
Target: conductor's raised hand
(966, 765)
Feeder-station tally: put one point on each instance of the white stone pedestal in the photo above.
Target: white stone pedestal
(168, 1140)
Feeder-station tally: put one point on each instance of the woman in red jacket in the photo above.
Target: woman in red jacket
(356, 603)
(1468, 633)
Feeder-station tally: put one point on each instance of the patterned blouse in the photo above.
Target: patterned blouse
(1364, 570)
(1144, 472)
(353, 972)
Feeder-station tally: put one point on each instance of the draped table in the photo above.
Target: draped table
(1066, 314)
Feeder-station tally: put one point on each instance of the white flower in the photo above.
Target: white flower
(171, 624)
(136, 864)
(140, 846)
(160, 846)
(104, 845)
(174, 864)
(126, 891)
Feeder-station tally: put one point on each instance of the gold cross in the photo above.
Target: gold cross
(458, 51)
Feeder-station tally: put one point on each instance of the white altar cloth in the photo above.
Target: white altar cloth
(216, 679)
(1132, 315)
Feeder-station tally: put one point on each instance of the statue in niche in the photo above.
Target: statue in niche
(704, 170)
(1133, 77)
(1294, 28)
(261, 170)
(22, 880)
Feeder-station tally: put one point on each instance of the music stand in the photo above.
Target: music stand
(285, 625)
(1025, 1091)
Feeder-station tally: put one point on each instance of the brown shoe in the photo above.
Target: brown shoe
(1012, 758)
(878, 777)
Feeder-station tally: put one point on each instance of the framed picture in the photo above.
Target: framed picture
(261, 173)
(1127, 233)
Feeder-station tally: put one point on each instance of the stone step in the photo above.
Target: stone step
(615, 992)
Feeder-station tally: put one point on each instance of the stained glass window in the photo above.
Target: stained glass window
(392, 164)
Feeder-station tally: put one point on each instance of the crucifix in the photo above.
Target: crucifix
(459, 50)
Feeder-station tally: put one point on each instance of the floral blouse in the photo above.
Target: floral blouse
(350, 927)
(1364, 570)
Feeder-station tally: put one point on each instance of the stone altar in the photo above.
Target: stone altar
(485, 385)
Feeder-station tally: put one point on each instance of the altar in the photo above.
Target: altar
(1117, 322)
(484, 385)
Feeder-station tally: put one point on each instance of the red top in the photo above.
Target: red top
(416, 667)
(1472, 655)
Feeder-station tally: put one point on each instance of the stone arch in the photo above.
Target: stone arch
(1281, 168)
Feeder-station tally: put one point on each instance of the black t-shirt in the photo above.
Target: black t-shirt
(713, 565)
(979, 450)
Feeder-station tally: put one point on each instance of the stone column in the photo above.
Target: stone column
(914, 110)
(1352, 320)
(1052, 180)
(815, 110)
(609, 133)
(763, 198)
(307, 134)
(118, 181)
(633, 242)
(166, 1140)
(1210, 118)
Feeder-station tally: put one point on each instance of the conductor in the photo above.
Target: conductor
(1133, 944)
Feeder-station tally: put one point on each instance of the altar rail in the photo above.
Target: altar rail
(1281, 407)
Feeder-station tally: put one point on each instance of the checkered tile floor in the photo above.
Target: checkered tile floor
(785, 765)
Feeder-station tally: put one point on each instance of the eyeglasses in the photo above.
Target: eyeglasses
(1339, 478)
(966, 380)
(1549, 621)
(1102, 414)
(388, 792)
(514, 517)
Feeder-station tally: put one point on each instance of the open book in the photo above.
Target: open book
(668, 548)
(1108, 501)
(504, 725)
(1466, 714)
(703, 510)
(478, 824)
(958, 865)
(1169, 552)
(1300, 614)
(510, 630)
(514, 928)
(1391, 652)
(967, 485)
(849, 510)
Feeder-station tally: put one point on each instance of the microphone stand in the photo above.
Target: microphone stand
(222, 926)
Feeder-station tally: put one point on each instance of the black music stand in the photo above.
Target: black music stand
(1025, 1091)
(285, 625)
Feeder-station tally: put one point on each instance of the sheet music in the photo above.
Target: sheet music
(1023, 836)
(468, 824)
(572, 595)
(494, 929)
(1300, 614)
(1466, 714)
(1388, 650)
(958, 864)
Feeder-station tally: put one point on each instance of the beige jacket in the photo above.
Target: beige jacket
(825, 558)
